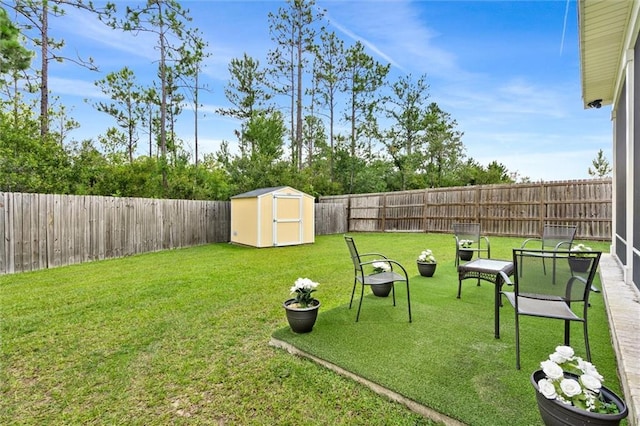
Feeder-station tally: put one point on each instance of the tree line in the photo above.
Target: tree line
(320, 115)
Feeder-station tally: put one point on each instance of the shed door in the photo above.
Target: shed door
(287, 220)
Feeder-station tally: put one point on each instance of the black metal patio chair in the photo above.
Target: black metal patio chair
(554, 237)
(363, 275)
(469, 239)
(536, 293)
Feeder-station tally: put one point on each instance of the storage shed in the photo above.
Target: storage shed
(267, 217)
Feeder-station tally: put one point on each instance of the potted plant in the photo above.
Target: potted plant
(383, 289)
(302, 310)
(577, 259)
(426, 263)
(569, 391)
(464, 251)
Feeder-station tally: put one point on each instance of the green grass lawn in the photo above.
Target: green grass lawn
(181, 337)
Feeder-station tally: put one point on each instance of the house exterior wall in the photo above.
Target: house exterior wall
(635, 165)
(620, 178)
(626, 124)
(626, 151)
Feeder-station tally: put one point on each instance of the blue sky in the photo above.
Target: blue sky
(507, 71)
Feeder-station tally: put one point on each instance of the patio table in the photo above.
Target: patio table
(487, 270)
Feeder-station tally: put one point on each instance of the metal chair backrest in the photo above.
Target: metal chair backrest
(467, 231)
(570, 281)
(353, 251)
(558, 236)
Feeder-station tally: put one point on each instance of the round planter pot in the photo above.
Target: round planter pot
(579, 264)
(555, 413)
(381, 290)
(465, 255)
(426, 269)
(301, 320)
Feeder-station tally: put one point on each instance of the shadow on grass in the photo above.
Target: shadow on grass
(447, 359)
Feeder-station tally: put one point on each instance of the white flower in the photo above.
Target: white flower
(557, 358)
(552, 370)
(547, 389)
(564, 353)
(590, 382)
(380, 266)
(465, 243)
(570, 387)
(302, 288)
(589, 369)
(591, 401)
(427, 256)
(303, 284)
(581, 247)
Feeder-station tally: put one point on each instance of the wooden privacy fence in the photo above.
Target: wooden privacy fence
(42, 231)
(504, 210)
(39, 231)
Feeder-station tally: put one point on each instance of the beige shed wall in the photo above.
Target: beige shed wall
(309, 220)
(265, 207)
(244, 223)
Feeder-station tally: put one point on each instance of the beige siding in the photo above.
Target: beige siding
(244, 223)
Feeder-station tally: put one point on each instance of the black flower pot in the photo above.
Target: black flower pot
(301, 320)
(555, 413)
(579, 264)
(465, 255)
(427, 269)
(381, 290)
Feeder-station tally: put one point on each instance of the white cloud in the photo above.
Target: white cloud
(75, 87)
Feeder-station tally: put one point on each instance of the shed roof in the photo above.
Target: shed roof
(261, 191)
(603, 29)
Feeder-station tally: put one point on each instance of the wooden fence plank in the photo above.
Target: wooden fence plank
(4, 234)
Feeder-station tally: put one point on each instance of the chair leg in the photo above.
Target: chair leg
(517, 342)
(567, 333)
(352, 292)
(408, 301)
(586, 341)
(360, 304)
(393, 293)
(459, 287)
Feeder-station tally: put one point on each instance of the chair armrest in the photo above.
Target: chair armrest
(570, 284)
(563, 243)
(505, 278)
(528, 240)
(384, 259)
(486, 239)
(373, 254)
(404, 271)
